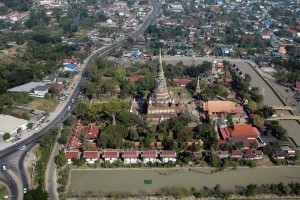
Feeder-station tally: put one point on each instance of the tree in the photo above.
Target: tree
(113, 107)
(214, 161)
(257, 121)
(126, 118)
(37, 193)
(61, 159)
(6, 136)
(29, 126)
(79, 162)
(252, 105)
(251, 190)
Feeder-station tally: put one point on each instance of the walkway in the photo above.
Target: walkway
(282, 108)
(284, 117)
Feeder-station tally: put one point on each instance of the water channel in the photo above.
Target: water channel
(133, 180)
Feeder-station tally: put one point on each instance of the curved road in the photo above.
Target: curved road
(6, 155)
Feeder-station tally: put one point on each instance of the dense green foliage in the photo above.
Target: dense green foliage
(38, 193)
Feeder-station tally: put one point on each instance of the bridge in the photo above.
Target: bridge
(282, 108)
(284, 117)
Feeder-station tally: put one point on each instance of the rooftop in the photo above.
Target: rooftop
(27, 87)
(218, 106)
(9, 123)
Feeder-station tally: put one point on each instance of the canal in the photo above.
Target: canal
(132, 180)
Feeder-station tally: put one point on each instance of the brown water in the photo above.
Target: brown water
(133, 180)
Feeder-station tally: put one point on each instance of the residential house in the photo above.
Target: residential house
(55, 86)
(289, 151)
(297, 86)
(236, 154)
(92, 132)
(39, 91)
(168, 155)
(221, 154)
(70, 68)
(130, 157)
(279, 154)
(224, 50)
(282, 50)
(50, 79)
(249, 154)
(72, 154)
(91, 156)
(258, 154)
(149, 156)
(110, 156)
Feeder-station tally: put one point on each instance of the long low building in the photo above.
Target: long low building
(10, 124)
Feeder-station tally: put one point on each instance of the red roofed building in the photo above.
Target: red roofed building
(130, 156)
(72, 60)
(72, 154)
(168, 155)
(297, 86)
(91, 156)
(181, 82)
(134, 79)
(74, 142)
(149, 156)
(55, 86)
(190, 22)
(110, 156)
(245, 133)
(92, 132)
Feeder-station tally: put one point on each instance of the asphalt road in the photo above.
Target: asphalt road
(12, 153)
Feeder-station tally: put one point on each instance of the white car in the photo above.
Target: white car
(22, 148)
(25, 190)
(3, 167)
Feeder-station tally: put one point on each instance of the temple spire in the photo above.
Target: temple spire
(197, 91)
(160, 73)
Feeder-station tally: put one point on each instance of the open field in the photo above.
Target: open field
(132, 180)
(43, 104)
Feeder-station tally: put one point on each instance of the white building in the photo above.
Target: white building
(168, 155)
(91, 156)
(149, 156)
(110, 156)
(10, 124)
(39, 91)
(130, 157)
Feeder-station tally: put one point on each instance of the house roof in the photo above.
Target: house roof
(298, 85)
(236, 152)
(168, 153)
(149, 154)
(183, 82)
(9, 123)
(56, 86)
(91, 154)
(110, 154)
(244, 130)
(92, 131)
(279, 153)
(218, 106)
(130, 154)
(134, 79)
(72, 154)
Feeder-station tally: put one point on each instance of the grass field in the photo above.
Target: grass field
(48, 105)
(3, 191)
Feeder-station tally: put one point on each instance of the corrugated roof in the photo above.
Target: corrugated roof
(9, 123)
(27, 87)
(218, 106)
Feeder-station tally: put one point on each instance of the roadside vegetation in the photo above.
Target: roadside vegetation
(46, 146)
(3, 191)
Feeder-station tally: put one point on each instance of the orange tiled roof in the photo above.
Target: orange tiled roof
(244, 130)
(218, 106)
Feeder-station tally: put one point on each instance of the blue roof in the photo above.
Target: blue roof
(135, 53)
(70, 66)
(276, 54)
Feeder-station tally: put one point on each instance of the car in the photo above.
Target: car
(25, 190)
(47, 121)
(3, 167)
(21, 148)
(287, 90)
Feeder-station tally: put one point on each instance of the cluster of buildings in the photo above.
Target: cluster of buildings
(128, 157)
(40, 89)
(15, 16)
